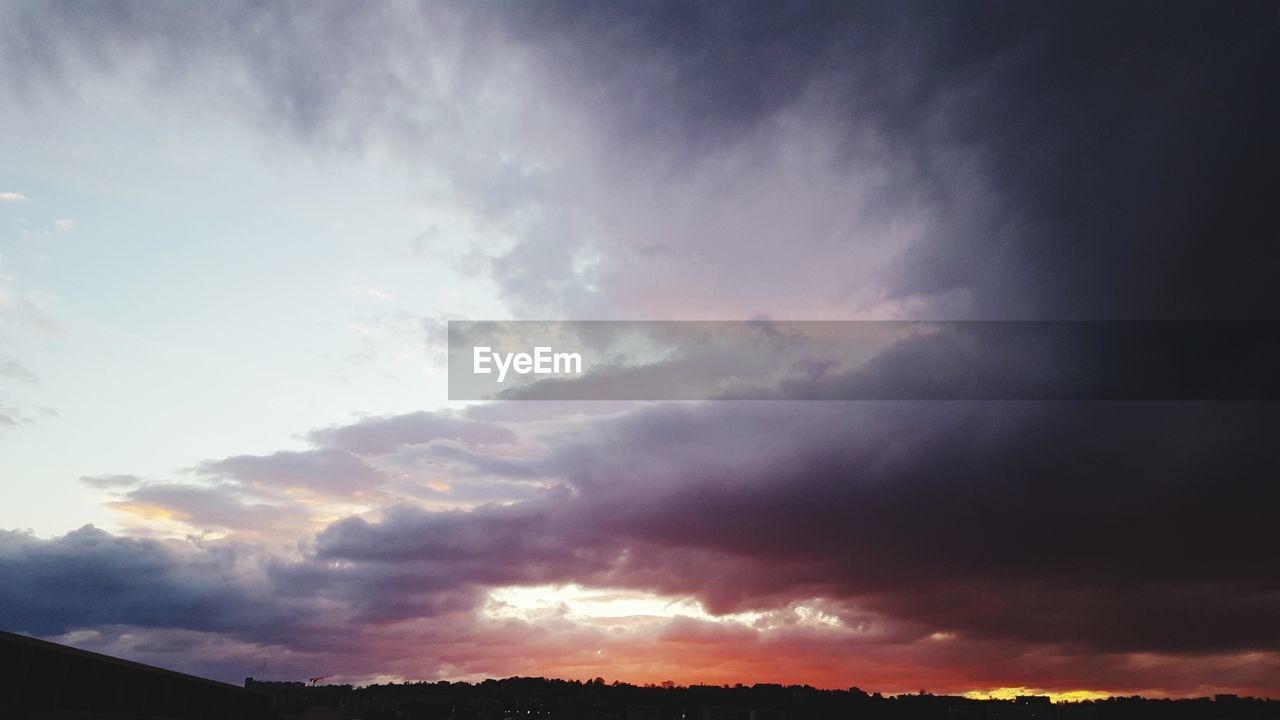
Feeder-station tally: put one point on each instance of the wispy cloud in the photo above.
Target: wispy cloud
(106, 482)
(14, 370)
(13, 197)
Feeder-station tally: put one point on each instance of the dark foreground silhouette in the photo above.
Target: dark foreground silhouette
(40, 680)
(538, 698)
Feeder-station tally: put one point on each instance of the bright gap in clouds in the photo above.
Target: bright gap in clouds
(586, 604)
(604, 605)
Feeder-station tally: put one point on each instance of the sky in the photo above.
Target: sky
(231, 235)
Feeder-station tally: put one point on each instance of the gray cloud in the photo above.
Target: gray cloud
(89, 578)
(376, 436)
(109, 482)
(1079, 528)
(890, 501)
(800, 160)
(1077, 160)
(326, 470)
(214, 507)
(528, 153)
(14, 370)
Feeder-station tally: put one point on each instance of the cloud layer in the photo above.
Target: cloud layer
(1059, 531)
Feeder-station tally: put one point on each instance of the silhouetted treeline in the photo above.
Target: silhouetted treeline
(543, 699)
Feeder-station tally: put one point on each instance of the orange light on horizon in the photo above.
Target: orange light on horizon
(1009, 693)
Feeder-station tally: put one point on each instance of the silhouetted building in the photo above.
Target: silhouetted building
(41, 680)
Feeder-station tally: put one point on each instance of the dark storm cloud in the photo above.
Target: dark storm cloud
(90, 578)
(528, 543)
(1082, 528)
(126, 591)
(1131, 149)
(1062, 160)
(1137, 527)
(1105, 527)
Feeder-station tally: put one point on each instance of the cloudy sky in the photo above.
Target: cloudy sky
(231, 234)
